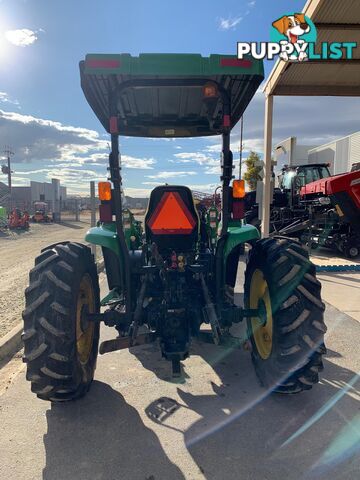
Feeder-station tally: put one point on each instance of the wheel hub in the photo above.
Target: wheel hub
(354, 252)
(262, 326)
(84, 328)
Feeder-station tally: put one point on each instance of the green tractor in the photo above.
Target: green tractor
(177, 282)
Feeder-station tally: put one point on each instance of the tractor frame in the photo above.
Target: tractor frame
(181, 275)
(233, 234)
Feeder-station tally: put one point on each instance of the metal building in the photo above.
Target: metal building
(340, 154)
(289, 152)
(44, 192)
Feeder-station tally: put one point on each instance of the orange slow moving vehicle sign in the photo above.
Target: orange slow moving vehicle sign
(171, 216)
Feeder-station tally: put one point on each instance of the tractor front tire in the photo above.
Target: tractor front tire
(288, 339)
(61, 345)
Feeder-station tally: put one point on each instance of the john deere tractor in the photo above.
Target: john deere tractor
(177, 283)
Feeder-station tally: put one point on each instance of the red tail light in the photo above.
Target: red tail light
(238, 209)
(105, 213)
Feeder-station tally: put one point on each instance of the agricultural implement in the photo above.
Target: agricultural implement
(335, 208)
(315, 207)
(178, 282)
(18, 220)
(3, 218)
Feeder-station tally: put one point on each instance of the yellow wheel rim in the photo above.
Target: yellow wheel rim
(262, 334)
(84, 330)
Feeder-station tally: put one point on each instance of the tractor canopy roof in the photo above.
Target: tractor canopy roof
(162, 95)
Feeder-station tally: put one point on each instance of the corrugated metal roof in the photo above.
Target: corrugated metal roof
(337, 11)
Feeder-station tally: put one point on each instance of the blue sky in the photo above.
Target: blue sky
(44, 115)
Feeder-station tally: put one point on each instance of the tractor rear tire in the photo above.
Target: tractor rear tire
(288, 342)
(61, 346)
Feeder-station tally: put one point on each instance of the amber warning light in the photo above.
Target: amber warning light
(238, 188)
(104, 189)
(210, 90)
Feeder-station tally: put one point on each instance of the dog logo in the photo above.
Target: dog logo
(293, 27)
(293, 37)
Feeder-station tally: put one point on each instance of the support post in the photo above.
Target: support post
(266, 196)
(227, 163)
(115, 177)
(227, 175)
(241, 145)
(93, 214)
(56, 200)
(77, 213)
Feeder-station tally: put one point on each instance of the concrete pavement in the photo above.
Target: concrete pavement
(136, 423)
(342, 290)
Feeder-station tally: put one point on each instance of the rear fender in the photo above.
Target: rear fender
(106, 237)
(237, 236)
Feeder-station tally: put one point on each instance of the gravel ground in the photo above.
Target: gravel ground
(17, 254)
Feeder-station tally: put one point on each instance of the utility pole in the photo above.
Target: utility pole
(8, 153)
(241, 144)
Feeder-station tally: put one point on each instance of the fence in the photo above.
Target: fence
(72, 209)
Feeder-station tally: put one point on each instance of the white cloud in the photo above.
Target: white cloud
(229, 23)
(37, 140)
(216, 148)
(173, 174)
(195, 157)
(181, 161)
(21, 37)
(34, 172)
(206, 188)
(19, 181)
(137, 192)
(5, 98)
(138, 163)
(252, 4)
(153, 184)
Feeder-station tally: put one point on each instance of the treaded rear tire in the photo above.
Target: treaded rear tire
(297, 312)
(53, 364)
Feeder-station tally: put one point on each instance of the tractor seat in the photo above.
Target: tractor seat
(171, 220)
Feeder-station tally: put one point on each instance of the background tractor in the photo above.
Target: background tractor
(315, 207)
(178, 282)
(41, 214)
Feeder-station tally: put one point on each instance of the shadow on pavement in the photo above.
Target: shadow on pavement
(71, 225)
(102, 437)
(245, 433)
